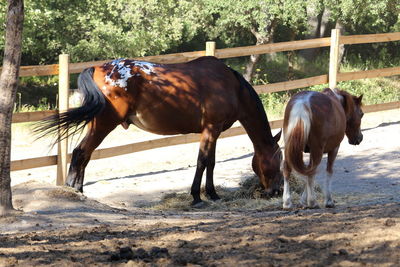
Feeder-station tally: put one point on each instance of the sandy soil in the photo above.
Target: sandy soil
(112, 222)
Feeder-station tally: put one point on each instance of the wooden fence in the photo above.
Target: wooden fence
(64, 69)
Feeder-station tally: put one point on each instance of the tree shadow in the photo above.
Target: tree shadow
(300, 237)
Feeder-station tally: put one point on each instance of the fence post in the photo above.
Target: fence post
(63, 95)
(334, 58)
(210, 48)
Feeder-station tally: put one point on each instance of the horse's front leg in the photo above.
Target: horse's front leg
(206, 159)
(96, 132)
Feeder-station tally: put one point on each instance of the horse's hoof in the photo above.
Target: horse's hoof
(329, 205)
(79, 188)
(198, 204)
(213, 197)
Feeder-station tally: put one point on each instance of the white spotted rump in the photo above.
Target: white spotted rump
(124, 67)
(301, 111)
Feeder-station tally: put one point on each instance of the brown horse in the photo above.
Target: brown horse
(202, 96)
(316, 123)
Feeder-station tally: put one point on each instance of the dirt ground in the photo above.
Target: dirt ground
(116, 222)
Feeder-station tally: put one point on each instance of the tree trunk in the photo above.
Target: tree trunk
(251, 65)
(291, 59)
(8, 89)
(340, 26)
(317, 26)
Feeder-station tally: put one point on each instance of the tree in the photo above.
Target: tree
(260, 18)
(8, 89)
(102, 29)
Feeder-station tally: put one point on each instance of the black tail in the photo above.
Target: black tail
(253, 94)
(75, 119)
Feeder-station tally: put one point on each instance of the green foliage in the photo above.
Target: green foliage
(145, 27)
(253, 20)
(101, 29)
(36, 93)
(365, 16)
(3, 15)
(104, 29)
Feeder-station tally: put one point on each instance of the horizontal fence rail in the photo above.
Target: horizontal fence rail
(220, 53)
(163, 142)
(223, 53)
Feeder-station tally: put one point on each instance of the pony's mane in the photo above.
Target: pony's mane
(347, 99)
(348, 102)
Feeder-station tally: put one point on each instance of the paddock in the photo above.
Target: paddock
(115, 210)
(115, 221)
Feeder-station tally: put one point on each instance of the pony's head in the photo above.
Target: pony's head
(352, 107)
(267, 165)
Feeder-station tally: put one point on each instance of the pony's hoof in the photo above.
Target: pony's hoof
(313, 206)
(330, 204)
(287, 206)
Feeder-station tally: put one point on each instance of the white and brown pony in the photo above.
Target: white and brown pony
(316, 123)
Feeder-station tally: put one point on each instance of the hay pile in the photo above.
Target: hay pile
(65, 192)
(249, 196)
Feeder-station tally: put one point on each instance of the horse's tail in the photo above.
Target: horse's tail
(75, 119)
(296, 137)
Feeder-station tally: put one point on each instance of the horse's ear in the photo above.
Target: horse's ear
(358, 100)
(277, 137)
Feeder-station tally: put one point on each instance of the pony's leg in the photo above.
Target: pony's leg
(303, 198)
(206, 159)
(311, 201)
(287, 201)
(328, 201)
(315, 159)
(96, 132)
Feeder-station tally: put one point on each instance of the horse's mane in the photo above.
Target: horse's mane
(253, 94)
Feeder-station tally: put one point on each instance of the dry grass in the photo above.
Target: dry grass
(66, 193)
(249, 196)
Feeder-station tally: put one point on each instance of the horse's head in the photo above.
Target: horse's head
(267, 165)
(352, 106)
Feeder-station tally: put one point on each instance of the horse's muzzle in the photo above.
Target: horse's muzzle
(357, 140)
(272, 193)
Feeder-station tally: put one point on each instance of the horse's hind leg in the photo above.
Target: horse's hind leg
(97, 130)
(206, 159)
(328, 201)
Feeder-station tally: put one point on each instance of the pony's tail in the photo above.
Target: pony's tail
(74, 120)
(296, 137)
